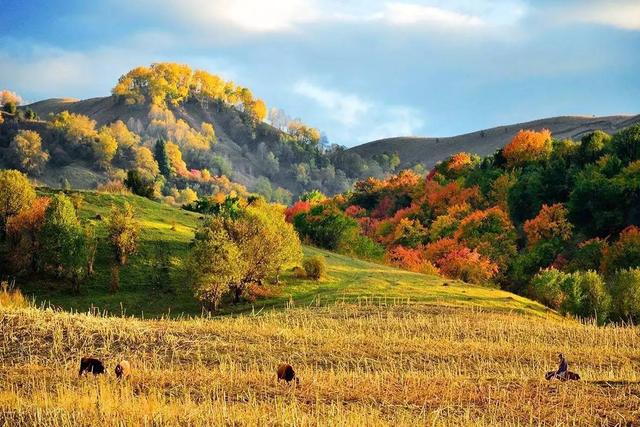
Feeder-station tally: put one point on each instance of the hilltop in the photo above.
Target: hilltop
(217, 131)
(429, 151)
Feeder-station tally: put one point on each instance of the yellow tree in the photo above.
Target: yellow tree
(16, 194)
(105, 147)
(26, 150)
(175, 158)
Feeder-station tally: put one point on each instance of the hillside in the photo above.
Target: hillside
(231, 131)
(370, 364)
(429, 151)
(219, 135)
(170, 230)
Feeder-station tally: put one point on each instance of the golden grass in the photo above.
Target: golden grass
(359, 365)
(11, 297)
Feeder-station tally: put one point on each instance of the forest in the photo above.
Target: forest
(555, 220)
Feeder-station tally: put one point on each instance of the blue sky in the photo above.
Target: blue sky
(356, 69)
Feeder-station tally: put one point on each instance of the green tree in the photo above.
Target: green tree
(162, 157)
(626, 144)
(63, 241)
(215, 262)
(593, 146)
(230, 254)
(139, 185)
(597, 301)
(626, 294)
(10, 107)
(16, 194)
(124, 232)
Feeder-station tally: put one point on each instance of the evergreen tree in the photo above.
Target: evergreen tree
(162, 157)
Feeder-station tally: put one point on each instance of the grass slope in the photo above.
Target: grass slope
(170, 230)
(359, 365)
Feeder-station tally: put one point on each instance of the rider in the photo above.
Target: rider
(563, 368)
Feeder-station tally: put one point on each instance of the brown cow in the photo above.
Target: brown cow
(286, 372)
(123, 369)
(89, 364)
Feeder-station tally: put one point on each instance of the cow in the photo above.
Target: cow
(91, 365)
(286, 373)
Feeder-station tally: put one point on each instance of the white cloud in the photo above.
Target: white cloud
(394, 121)
(252, 16)
(412, 14)
(281, 16)
(345, 108)
(623, 14)
(355, 120)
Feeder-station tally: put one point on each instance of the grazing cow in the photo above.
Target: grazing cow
(286, 372)
(123, 369)
(89, 364)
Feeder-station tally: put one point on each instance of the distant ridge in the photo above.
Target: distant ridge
(429, 151)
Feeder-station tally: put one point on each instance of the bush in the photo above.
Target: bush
(545, 287)
(626, 294)
(316, 267)
(597, 301)
(299, 272)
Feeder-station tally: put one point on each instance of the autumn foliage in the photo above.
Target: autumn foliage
(527, 146)
(297, 208)
(550, 223)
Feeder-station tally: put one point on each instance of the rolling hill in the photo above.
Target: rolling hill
(429, 151)
(170, 230)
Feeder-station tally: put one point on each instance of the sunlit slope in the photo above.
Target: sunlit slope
(170, 230)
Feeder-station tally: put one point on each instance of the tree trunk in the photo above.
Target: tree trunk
(115, 278)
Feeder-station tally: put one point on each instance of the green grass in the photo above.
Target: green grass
(347, 279)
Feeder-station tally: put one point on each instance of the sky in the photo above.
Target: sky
(358, 70)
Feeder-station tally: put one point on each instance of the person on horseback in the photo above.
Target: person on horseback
(563, 368)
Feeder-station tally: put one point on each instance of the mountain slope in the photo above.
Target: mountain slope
(429, 151)
(226, 121)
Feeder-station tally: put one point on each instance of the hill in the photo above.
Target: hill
(358, 365)
(170, 230)
(218, 132)
(429, 151)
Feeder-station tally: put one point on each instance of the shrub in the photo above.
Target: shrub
(409, 259)
(626, 294)
(546, 287)
(359, 246)
(114, 187)
(299, 272)
(597, 301)
(315, 267)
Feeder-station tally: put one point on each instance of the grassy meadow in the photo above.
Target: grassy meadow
(170, 230)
